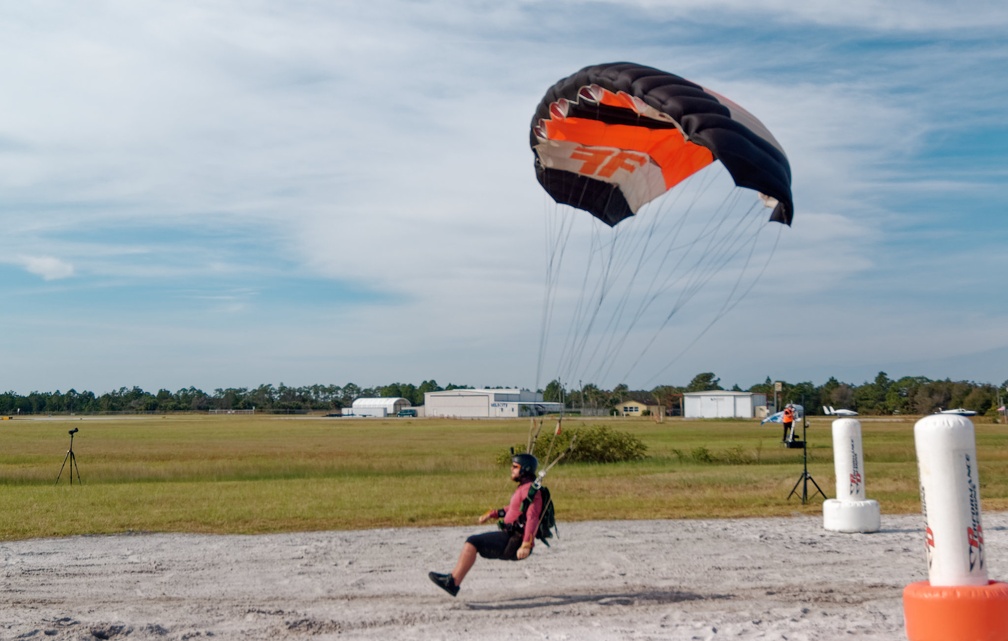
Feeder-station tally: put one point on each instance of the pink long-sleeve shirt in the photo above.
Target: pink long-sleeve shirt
(533, 515)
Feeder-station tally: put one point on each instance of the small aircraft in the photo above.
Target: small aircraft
(959, 411)
(829, 411)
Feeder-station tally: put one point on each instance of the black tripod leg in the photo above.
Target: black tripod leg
(810, 478)
(73, 463)
(794, 490)
(65, 458)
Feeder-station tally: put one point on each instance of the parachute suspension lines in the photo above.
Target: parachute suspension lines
(731, 300)
(663, 275)
(726, 308)
(534, 430)
(558, 230)
(611, 293)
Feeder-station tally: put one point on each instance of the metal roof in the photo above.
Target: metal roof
(387, 402)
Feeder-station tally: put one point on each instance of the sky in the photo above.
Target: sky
(224, 194)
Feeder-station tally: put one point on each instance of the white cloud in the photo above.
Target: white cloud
(48, 267)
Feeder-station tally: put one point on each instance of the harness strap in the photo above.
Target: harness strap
(533, 490)
(519, 524)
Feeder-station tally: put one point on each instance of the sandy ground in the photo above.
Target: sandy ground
(781, 578)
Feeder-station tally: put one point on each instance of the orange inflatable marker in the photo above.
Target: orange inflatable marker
(958, 602)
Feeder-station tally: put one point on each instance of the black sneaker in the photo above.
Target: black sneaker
(444, 581)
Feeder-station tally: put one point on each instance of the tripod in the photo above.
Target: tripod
(805, 477)
(70, 456)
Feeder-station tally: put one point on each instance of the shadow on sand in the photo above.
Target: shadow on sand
(648, 597)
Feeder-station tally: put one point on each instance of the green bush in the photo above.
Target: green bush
(595, 444)
(732, 456)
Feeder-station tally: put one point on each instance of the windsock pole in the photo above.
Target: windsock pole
(958, 602)
(850, 511)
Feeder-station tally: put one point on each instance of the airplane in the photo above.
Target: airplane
(960, 411)
(829, 411)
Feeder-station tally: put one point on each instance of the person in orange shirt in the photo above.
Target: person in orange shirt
(788, 420)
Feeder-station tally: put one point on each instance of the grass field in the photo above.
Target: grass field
(254, 474)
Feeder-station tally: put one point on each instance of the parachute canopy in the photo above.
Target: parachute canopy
(613, 137)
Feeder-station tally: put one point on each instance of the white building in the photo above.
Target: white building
(487, 403)
(722, 404)
(378, 406)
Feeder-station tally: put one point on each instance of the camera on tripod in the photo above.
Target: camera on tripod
(72, 458)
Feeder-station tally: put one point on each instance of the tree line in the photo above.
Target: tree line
(914, 395)
(265, 398)
(883, 396)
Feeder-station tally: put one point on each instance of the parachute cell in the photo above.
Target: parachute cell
(613, 137)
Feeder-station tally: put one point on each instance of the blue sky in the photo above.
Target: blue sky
(226, 194)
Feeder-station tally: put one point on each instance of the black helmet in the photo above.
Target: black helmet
(528, 464)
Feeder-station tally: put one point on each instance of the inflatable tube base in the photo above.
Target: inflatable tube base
(956, 613)
(851, 516)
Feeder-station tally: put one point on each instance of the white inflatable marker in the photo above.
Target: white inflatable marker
(850, 511)
(848, 457)
(950, 500)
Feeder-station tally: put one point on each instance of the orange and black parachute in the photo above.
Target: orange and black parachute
(611, 138)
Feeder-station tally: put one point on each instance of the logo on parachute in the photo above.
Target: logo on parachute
(604, 163)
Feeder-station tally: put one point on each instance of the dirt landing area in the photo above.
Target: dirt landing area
(781, 578)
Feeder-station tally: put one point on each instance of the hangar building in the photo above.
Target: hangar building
(487, 403)
(723, 404)
(378, 406)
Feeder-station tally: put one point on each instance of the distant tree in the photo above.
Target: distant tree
(429, 386)
(619, 394)
(193, 399)
(704, 382)
(930, 396)
(841, 397)
(960, 390)
(766, 388)
(871, 397)
(350, 392)
(401, 390)
(981, 399)
(263, 397)
(666, 395)
(554, 392)
(805, 394)
(901, 394)
(593, 397)
(165, 401)
(229, 399)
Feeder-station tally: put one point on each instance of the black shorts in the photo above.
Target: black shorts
(497, 545)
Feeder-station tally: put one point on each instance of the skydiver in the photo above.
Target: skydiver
(515, 538)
